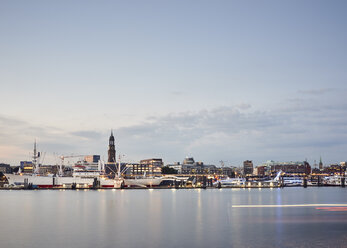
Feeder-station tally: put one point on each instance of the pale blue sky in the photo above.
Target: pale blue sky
(217, 80)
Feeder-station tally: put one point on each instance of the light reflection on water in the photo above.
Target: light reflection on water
(172, 218)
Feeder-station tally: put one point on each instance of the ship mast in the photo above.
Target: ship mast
(119, 169)
(35, 160)
(119, 165)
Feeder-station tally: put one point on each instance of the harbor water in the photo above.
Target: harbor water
(174, 218)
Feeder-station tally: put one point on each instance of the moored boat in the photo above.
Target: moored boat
(143, 182)
(82, 177)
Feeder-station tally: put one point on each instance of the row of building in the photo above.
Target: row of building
(189, 166)
(299, 168)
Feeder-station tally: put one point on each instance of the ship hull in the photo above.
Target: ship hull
(64, 182)
(143, 182)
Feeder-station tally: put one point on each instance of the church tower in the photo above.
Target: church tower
(320, 164)
(111, 150)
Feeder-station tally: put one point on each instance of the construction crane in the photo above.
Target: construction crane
(70, 156)
(62, 161)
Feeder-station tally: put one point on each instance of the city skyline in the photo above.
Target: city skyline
(229, 81)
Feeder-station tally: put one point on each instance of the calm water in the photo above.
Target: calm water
(171, 218)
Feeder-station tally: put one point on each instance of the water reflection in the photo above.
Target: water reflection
(172, 218)
(279, 214)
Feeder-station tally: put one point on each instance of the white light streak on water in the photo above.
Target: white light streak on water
(289, 206)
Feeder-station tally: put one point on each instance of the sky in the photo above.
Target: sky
(216, 80)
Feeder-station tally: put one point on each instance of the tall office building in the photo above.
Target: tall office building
(248, 167)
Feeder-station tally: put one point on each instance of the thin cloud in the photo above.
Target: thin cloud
(234, 133)
(237, 133)
(91, 135)
(317, 91)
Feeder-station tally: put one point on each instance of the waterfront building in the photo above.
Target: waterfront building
(134, 169)
(289, 168)
(226, 171)
(316, 171)
(331, 170)
(27, 166)
(248, 168)
(239, 171)
(176, 166)
(189, 166)
(197, 168)
(5, 168)
(151, 167)
(334, 169)
(188, 160)
(131, 169)
(92, 158)
(263, 170)
(153, 162)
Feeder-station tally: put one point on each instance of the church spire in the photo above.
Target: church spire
(111, 149)
(320, 163)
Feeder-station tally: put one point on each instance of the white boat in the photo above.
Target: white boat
(312, 183)
(287, 181)
(81, 178)
(240, 182)
(230, 182)
(292, 181)
(143, 182)
(333, 180)
(38, 181)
